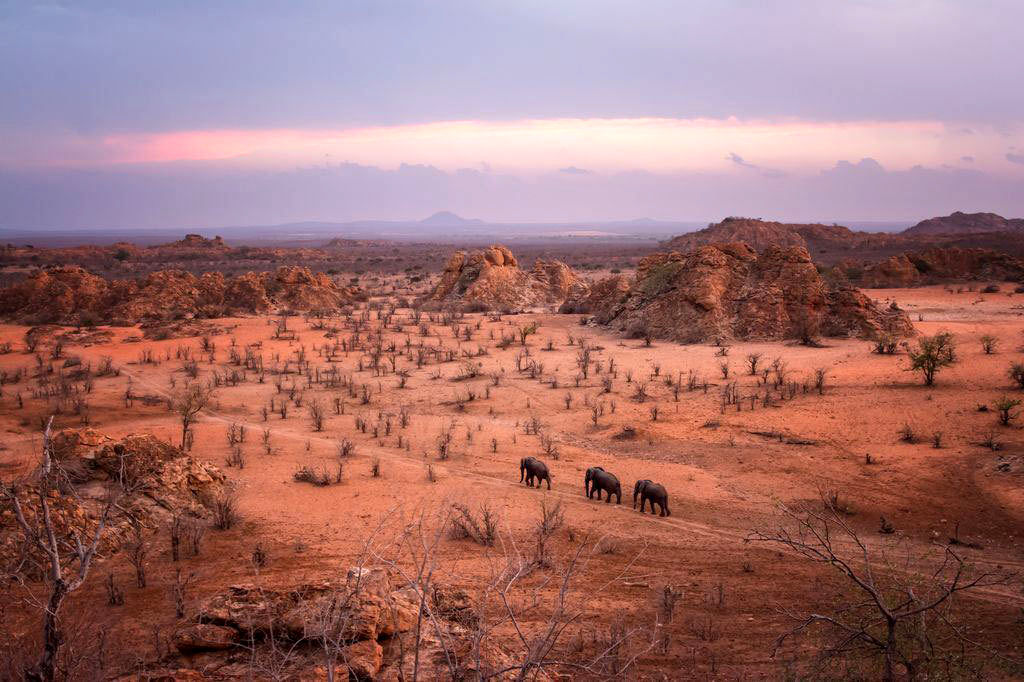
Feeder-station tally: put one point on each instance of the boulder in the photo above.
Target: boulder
(364, 659)
(205, 637)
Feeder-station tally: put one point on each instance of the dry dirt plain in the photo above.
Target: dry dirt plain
(727, 472)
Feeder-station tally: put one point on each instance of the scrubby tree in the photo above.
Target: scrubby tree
(932, 354)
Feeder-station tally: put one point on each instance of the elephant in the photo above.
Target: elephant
(600, 480)
(531, 468)
(588, 478)
(655, 493)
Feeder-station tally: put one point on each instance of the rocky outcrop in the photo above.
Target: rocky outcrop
(162, 477)
(70, 295)
(728, 291)
(159, 481)
(197, 241)
(959, 222)
(939, 264)
(367, 620)
(491, 279)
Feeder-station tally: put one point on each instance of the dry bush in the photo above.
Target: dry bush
(225, 510)
(1016, 372)
(908, 434)
(893, 613)
(1005, 408)
(464, 524)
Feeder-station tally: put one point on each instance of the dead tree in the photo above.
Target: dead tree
(67, 553)
(898, 618)
(192, 400)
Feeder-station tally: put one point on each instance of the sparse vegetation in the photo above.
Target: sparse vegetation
(932, 354)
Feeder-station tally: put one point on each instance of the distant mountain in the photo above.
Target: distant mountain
(448, 219)
(965, 223)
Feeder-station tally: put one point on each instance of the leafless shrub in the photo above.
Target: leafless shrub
(179, 591)
(464, 524)
(551, 519)
(640, 394)
(907, 434)
(316, 414)
(115, 595)
(898, 622)
(225, 510)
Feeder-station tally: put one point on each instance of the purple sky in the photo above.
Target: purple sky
(198, 114)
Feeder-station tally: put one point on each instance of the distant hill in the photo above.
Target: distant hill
(965, 223)
(984, 235)
(761, 234)
(447, 218)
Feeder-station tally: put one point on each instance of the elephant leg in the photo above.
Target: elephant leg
(549, 483)
(663, 510)
(643, 501)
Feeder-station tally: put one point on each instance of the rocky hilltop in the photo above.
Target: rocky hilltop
(965, 223)
(73, 296)
(763, 234)
(492, 279)
(728, 291)
(835, 245)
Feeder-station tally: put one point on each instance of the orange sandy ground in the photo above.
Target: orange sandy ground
(724, 480)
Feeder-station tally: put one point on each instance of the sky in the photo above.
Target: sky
(179, 113)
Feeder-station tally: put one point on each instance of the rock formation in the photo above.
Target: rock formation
(163, 479)
(70, 295)
(491, 279)
(938, 264)
(727, 291)
(959, 222)
(160, 479)
(367, 619)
